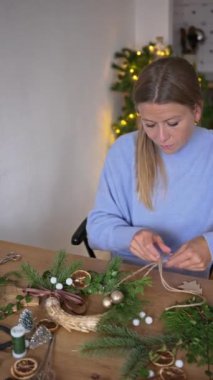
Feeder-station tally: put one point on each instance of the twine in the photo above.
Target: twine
(169, 288)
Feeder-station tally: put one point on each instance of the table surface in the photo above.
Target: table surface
(68, 362)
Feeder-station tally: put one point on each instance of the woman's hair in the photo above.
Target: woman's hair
(166, 80)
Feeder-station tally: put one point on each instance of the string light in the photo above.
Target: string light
(138, 53)
(123, 122)
(117, 131)
(131, 70)
(135, 77)
(131, 116)
(151, 48)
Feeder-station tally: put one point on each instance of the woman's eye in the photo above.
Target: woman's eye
(172, 124)
(149, 125)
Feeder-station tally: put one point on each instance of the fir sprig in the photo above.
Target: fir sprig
(32, 276)
(193, 327)
(120, 340)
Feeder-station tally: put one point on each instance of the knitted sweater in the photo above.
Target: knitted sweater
(182, 211)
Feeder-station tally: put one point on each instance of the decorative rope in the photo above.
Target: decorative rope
(165, 284)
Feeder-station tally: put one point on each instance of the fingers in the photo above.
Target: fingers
(164, 248)
(145, 245)
(190, 257)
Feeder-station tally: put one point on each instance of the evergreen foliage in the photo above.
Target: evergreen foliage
(122, 340)
(189, 329)
(100, 283)
(193, 328)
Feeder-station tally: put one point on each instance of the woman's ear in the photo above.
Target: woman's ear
(198, 108)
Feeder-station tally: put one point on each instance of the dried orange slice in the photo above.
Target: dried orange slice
(50, 325)
(172, 373)
(162, 358)
(24, 368)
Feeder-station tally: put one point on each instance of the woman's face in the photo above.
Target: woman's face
(170, 125)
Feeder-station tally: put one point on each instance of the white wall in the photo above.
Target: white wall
(55, 111)
(153, 18)
(56, 108)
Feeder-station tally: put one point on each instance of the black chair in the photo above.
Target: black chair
(80, 236)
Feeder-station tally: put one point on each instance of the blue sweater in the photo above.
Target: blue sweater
(181, 212)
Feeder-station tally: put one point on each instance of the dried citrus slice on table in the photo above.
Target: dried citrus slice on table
(172, 373)
(24, 368)
(162, 358)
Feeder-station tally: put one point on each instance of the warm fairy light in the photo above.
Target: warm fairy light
(131, 115)
(167, 51)
(199, 79)
(131, 70)
(135, 77)
(117, 131)
(123, 122)
(161, 53)
(151, 48)
(138, 52)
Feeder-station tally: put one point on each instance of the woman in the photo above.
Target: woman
(155, 193)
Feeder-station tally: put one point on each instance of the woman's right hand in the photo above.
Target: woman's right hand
(146, 245)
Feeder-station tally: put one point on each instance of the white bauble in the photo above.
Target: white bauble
(116, 296)
(179, 363)
(69, 281)
(59, 286)
(53, 280)
(107, 302)
(142, 314)
(136, 322)
(148, 320)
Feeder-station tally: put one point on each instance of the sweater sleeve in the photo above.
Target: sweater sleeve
(209, 238)
(109, 223)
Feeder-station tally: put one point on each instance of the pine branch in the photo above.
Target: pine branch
(33, 277)
(107, 344)
(138, 359)
(58, 263)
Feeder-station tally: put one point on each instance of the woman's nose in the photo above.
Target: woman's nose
(163, 134)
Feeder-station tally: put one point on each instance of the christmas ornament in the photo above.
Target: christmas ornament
(136, 322)
(148, 320)
(59, 286)
(179, 363)
(26, 320)
(116, 296)
(107, 302)
(142, 314)
(69, 281)
(42, 335)
(191, 286)
(151, 374)
(53, 280)
(81, 279)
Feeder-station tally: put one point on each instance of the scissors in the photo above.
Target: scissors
(11, 256)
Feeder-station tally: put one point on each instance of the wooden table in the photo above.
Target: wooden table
(68, 362)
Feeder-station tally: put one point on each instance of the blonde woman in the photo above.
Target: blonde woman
(155, 194)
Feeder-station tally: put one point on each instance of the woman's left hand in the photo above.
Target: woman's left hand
(193, 255)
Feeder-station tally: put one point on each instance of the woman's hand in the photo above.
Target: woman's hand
(146, 245)
(193, 255)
